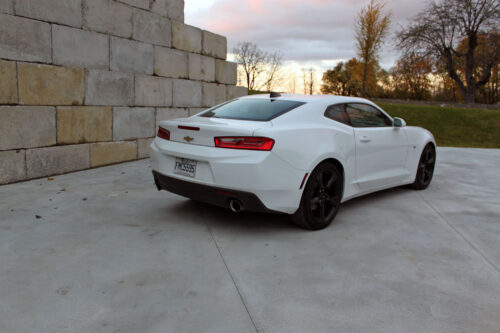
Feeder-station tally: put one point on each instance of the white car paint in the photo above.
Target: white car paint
(372, 159)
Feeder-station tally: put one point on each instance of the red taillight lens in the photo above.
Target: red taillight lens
(245, 142)
(163, 133)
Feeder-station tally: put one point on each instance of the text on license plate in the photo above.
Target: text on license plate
(185, 167)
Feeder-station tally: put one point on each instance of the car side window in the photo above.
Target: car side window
(337, 112)
(364, 115)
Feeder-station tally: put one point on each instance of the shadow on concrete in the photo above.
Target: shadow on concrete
(258, 223)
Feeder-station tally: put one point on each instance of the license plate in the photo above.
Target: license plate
(185, 167)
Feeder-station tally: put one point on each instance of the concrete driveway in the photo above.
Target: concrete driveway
(109, 253)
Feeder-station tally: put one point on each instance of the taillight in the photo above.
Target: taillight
(244, 142)
(163, 133)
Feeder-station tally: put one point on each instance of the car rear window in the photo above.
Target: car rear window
(252, 109)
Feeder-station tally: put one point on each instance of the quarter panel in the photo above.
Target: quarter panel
(305, 145)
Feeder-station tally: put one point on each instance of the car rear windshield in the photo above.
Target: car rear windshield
(252, 109)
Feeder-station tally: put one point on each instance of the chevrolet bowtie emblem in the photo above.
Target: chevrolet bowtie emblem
(188, 138)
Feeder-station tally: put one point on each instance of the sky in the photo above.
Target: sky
(308, 33)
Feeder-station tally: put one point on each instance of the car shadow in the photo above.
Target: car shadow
(376, 197)
(215, 217)
(251, 222)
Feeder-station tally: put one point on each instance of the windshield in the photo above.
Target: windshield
(252, 109)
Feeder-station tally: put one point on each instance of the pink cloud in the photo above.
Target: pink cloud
(301, 29)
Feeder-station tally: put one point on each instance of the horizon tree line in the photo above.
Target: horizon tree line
(453, 42)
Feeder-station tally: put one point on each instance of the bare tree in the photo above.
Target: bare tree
(443, 25)
(272, 74)
(372, 26)
(308, 76)
(260, 69)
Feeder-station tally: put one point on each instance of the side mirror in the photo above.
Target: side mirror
(398, 122)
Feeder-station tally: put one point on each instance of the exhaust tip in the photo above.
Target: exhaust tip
(235, 205)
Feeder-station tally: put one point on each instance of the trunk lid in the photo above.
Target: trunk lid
(203, 130)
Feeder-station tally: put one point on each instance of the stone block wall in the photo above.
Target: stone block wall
(84, 83)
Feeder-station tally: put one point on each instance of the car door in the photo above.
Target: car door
(381, 149)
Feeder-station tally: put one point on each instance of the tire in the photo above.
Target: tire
(321, 198)
(425, 169)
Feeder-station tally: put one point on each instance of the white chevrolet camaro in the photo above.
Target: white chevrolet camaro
(292, 154)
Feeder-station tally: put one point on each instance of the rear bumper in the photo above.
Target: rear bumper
(273, 181)
(209, 194)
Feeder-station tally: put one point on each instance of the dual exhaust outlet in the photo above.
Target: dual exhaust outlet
(235, 205)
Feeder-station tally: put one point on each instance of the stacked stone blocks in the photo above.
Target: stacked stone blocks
(84, 83)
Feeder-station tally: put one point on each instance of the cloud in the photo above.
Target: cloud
(308, 31)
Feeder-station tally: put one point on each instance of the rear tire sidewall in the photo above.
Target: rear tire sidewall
(303, 217)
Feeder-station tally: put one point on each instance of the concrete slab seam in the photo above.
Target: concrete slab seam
(228, 271)
(460, 234)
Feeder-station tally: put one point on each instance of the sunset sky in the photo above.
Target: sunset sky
(317, 33)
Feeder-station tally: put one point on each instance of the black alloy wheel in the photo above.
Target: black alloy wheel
(321, 198)
(425, 169)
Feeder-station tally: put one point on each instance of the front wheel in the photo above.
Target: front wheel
(321, 198)
(425, 169)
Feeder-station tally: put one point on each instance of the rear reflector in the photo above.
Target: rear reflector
(303, 181)
(189, 128)
(163, 133)
(244, 142)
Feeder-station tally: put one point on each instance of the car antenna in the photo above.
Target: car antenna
(274, 94)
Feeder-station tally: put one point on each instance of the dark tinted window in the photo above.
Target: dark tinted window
(363, 115)
(252, 109)
(337, 113)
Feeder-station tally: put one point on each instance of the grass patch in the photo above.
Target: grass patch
(452, 127)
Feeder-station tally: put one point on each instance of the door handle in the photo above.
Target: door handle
(365, 139)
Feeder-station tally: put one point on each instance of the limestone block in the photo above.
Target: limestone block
(152, 28)
(68, 12)
(12, 166)
(27, 127)
(80, 124)
(144, 4)
(201, 67)
(109, 88)
(8, 82)
(42, 162)
(7, 6)
(175, 10)
(187, 93)
(143, 148)
(153, 91)
(133, 123)
(108, 16)
(112, 152)
(235, 92)
(50, 85)
(209, 91)
(131, 56)
(24, 39)
(220, 94)
(79, 48)
(170, 113)
(159, 7)
(186, 37)
(171, 63)
(225, 72)
(214, 45)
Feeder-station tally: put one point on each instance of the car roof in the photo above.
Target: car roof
(322, 99)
